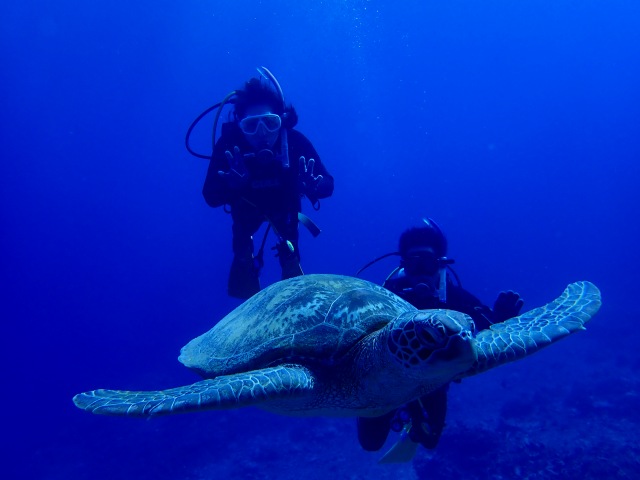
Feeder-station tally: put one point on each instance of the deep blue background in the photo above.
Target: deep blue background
(516, 125)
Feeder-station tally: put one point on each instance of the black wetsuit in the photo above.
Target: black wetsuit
(429, 412)
(272, 193)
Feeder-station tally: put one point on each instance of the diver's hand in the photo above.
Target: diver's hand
(237, 176)
(309, 182)
(508, 305)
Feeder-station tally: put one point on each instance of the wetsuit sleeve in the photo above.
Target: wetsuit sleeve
(216, 191)
(303, 147)
(463, 301)
(325, 187)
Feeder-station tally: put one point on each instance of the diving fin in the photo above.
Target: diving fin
(307, 222)
(403, 450)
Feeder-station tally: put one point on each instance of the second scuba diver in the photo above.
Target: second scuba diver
(422, 280)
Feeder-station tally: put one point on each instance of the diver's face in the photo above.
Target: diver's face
(421, 262)
(266, 133)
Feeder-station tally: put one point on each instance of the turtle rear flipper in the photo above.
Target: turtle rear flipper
(224, 392)
(526, 334)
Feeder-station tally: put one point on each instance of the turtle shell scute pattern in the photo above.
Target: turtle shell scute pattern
(312, 319)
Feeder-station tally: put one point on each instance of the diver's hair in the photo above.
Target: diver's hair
(426, 236)
(257, 92)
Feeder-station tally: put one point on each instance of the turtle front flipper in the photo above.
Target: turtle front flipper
(224, 392)
(526, 334)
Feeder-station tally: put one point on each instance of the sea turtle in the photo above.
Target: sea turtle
(341, 346)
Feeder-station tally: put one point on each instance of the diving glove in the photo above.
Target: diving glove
(237, 176)
(308, 181)
(507, 305)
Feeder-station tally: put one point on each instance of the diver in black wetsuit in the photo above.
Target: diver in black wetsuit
(260, 168)
(422, 280)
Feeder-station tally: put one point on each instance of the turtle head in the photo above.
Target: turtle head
(433, 343)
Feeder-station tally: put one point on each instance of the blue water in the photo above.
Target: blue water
(514, 124)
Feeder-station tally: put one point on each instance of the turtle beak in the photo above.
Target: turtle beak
(457, 349)
(441, 338)
(458, 352)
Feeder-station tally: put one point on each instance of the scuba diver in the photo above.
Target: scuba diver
(259, 170)
(422, 279)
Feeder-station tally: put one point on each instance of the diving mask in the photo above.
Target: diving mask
(422, 262)
(426, 265)
(250, 125)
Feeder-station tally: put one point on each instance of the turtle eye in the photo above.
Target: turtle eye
(427, 336)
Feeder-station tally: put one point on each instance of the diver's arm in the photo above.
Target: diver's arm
(216, 190)
(463, 301)
(325, 186)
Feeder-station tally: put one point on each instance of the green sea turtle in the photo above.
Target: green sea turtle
(341, 346)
